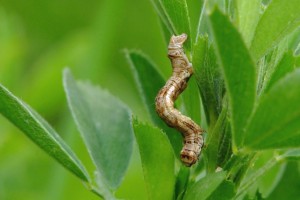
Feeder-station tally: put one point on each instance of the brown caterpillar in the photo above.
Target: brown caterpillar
(164, 102)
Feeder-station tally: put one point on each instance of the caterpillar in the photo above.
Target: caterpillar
(164, 102)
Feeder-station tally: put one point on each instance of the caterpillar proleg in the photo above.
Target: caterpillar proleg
(164, 102)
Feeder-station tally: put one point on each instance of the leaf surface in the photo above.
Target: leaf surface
(276, 121)
(40, 132)
(104, 124)
(157, 160)
(279, 19)
(238, 70)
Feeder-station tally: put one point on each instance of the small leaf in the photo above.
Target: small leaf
(280, 18)
(276, 121)
(104, 124)
(157, 161)
(238, 70)
(205, 186)
(40, 132)
(175, 16)
(149, 82)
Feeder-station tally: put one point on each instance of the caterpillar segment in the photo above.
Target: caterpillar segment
(182, 71)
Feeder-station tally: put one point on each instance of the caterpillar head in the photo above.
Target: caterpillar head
(177, 41)
(188, 157)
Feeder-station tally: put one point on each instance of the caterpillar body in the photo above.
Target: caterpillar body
(164, 102)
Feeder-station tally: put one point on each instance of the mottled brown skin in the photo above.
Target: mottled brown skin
(182, 71)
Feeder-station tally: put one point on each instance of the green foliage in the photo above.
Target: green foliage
(38, 130)
(246, 80)
(277, 22)
(94, 123)
(157, 160)
(238, 70)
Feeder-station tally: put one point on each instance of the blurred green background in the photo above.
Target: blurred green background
(38, 38)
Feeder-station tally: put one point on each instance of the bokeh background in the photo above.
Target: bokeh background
(38, 39)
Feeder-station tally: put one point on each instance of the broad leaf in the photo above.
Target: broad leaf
(40, 132)
(104, 124)
(157, 161)
(238, 70)
(149, 82)
(276, 121)
(280, 18)
(205, 186)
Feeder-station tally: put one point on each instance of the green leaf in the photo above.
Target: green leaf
(209, 79)
(285, 66)
(288, 187)
(214, 140)
(280, 18)
(264, 173)
(191, 99)
(157, 161)
(104, 124)
(149, 82)
(238, 70)
(292, 155)
(205, 186)
(40, 132)
(276, 121)
(182, 180)
(175, 16)
(248, 13)
(225, 191)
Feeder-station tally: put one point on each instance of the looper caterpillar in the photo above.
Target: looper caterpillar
(164, 102)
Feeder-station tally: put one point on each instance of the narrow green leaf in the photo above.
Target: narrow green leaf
(157, 161)
(238, 70)
(291, 155)
(182, 180)
(191, 99)
(276, 121)
(149, 82)
(205, 186)
(104, 124)
(175, 17)
(268, 65)
(285, 66)
(40, 132)
(214, 141)
(248, 13)
(209, 79)
(280, 18)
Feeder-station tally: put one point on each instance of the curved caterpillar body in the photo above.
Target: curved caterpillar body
(164, 102)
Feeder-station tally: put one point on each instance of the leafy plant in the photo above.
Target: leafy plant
(244, 92)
